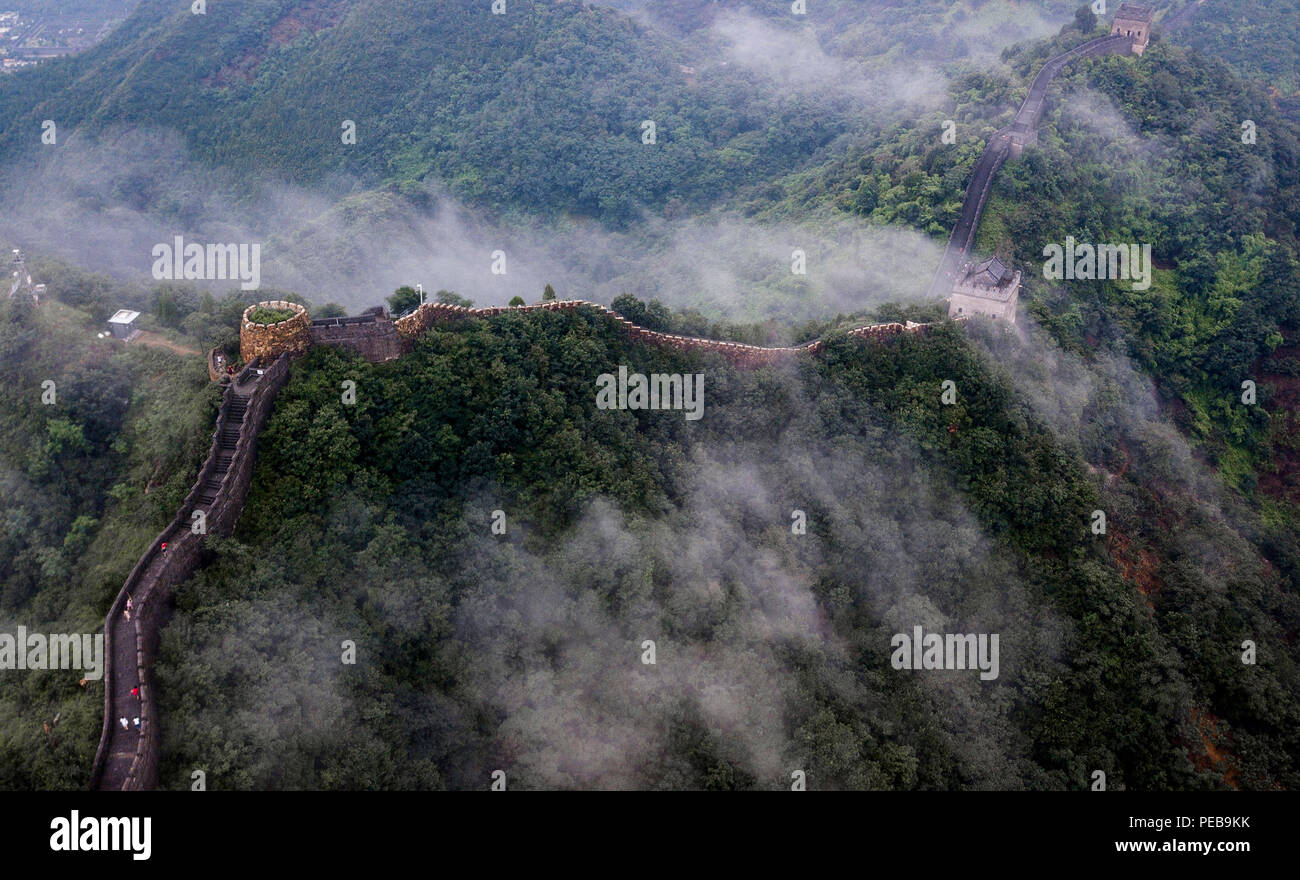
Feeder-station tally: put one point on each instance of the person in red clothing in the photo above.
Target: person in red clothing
(135, 692)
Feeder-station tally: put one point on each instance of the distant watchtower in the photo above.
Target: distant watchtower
(990, 289)
(1135, 22)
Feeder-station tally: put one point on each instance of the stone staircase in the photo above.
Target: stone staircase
(227, 441)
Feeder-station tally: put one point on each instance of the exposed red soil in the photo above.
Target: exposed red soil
(309, 18)
(1137, 566)
(313, 16)
(1284, 481)
(1110, 477)
(1215, 753)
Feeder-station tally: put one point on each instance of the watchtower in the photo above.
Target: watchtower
(1020, 135)
(291, 335)
(990, 288)
(1135, 22)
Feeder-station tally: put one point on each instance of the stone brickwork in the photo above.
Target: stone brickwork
(1134, 22)
(134, 644)
(268, 341)
(372, 336)
(377, 338)
(739, 354)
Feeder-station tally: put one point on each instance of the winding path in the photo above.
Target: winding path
(127, 756)
(1023, 130)
(127, 753)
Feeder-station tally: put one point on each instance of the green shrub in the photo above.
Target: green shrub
(265, 315)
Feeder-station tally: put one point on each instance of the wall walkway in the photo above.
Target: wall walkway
(127, 757)
(1003, 144)
(411, 326)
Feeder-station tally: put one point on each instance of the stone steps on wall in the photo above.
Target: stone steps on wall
(115, 754)
(210, 489)
(234, 422)
(227, 441)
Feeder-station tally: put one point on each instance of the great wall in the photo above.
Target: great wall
(1008, 143)
(128, 755)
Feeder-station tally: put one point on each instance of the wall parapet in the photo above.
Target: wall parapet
(411, 326)
(151, 581)
(371, 335)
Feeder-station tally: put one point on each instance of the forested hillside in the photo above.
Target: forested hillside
(487, 104)
(92, 466)
(539, 110)
(1159, 148)
(1147, 152)
(371, 524)
(1256, 37)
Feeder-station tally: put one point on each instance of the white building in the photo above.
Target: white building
(122, 324)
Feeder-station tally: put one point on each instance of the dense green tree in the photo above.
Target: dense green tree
(404, 299)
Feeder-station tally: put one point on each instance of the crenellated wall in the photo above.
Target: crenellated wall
(134, 643)
(411, 326)
(377, 338)
(373, 335)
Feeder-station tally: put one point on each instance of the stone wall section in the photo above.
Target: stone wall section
(372, 336)
(411, 326)
(156, 574)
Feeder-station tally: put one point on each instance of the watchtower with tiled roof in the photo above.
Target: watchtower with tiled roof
(990, 289)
